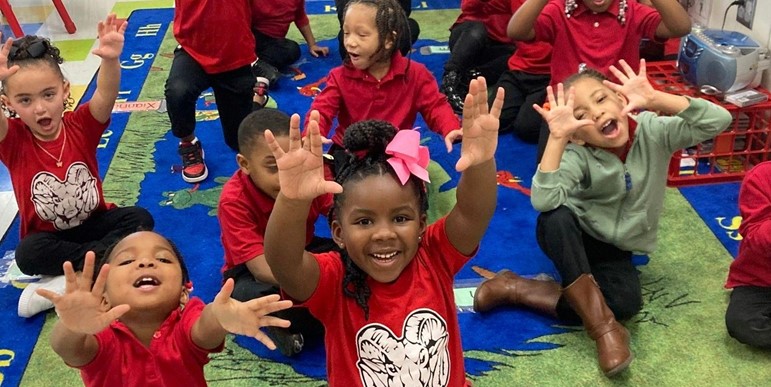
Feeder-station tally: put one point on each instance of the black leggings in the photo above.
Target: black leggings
(279, 52)
(470, 47)
(45, 252)
(748, 317)
(574, 252)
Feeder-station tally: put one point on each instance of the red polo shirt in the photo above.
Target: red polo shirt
(243, 213)
(530, 57)
(495, 14)
(353, 95)
(171, 360)
(216, 33)
(272, 18)
(597, 39)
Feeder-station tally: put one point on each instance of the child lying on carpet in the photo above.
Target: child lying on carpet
(748, 317)
(376, 82)
(245, 205)
(51, 157)
(387, 294)
(137, 325)
(600, 190)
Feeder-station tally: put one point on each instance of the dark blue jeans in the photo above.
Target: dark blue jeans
(233, 91)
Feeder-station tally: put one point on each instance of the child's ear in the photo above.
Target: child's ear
(66, 89)
(243, 163)
(105, 305)
(390, 41)
(337, 233)
(185, 296)
(423, 224)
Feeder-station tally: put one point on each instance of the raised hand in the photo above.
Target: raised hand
(5, 71)
(80, 307)
(635, 87)
(559, 114)
(110, 32)
(301, 169)
(246, 318)
(479, 125)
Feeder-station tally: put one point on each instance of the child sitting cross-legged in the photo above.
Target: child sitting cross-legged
(137, 324)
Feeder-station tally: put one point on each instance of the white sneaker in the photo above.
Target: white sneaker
(31, 303)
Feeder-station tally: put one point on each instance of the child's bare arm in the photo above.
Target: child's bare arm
(301, 174)
(522, 23)
(111, 40)
(5, 72)
(225, 315)
(675, 21)
(477, 191)
(81, 314)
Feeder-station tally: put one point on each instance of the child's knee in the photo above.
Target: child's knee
(625, 304)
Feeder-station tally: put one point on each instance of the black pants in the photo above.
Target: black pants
(248, 288)
(470, 47)
(280, 52)
(748, 317)
(405, 43)
(522, 91)
(45, 252)
(233, 91)
(574, 253)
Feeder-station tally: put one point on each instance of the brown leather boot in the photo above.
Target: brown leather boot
(507, 288)
(611, 337)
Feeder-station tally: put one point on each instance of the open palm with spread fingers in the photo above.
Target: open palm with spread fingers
(559, 115)
(635, 87)
(111, 39)
(246, 318)
(301, 168)
(80, 307)
(480, 125)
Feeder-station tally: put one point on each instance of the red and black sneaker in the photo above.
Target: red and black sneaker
(193, 167)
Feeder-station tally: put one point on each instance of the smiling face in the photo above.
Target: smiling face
(37, 94)
(380, 232)
(146, 274)
(260, 164)
(362, 39)
(596, 102)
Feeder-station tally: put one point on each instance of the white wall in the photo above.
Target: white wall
(761, 25)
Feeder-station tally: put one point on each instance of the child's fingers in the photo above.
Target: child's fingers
(618, 74)
(273, 321)
(48, 294)
(88, 267)
(495, 109)
(467, 118)
(225, 292)
(123, 26)
(627, 68)
(560, 94)
(115, 313)
(264, 339)
(295, 139)
(550, 96)
(276, 149)
(643, 70)
(70, 278)
(463, 163)
(265, 307)
(101, 280)
(332, 187)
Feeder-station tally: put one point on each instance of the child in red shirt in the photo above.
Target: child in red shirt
(377, 82)
(596, 34)
(386, 294)
(51, 157)
(478, 46)
(136, 324)
(245, 205)
(748, 317)
(405, 41)
(270, 23)
(214, 39)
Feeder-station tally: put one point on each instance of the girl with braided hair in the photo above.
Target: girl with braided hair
(595, 34)
(386, 297)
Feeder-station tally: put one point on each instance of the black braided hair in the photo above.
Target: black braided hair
(585, 72)
(365, 143)
(107, 256)
(389, 19)
(24, 53)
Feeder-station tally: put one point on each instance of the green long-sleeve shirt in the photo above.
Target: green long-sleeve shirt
(592, 182)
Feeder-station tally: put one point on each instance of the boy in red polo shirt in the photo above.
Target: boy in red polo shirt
(595, 33)
(245, 205)
(270, 23)
(478, 46)
(138, 325)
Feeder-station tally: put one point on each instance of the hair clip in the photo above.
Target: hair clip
(34, 50)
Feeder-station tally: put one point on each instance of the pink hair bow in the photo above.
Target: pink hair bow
(408, 156)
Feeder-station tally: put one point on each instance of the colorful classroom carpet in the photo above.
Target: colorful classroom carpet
(678, 338)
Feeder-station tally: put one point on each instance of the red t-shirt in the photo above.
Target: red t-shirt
(216, 33)
(530, 57)
(171, 360)
(412, 335)
(353, 95)
(752, 266)
(597, 39)
(273, 18)
(495, 14)
(243, 213)
(52, 198)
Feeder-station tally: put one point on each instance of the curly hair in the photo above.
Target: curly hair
(390, 19)
(31, 50)
(365, 143)
(584, 72)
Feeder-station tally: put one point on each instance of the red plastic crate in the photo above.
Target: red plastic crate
(728, 156)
